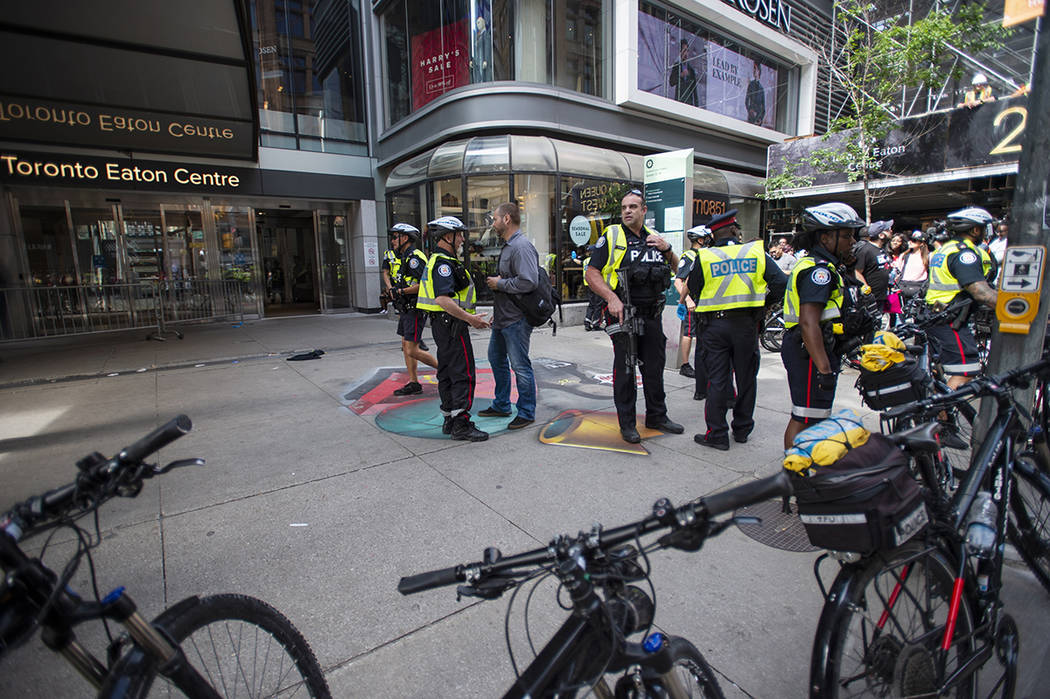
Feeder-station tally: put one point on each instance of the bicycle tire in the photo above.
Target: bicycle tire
(215, 633)
(694, 676)
(1028, 527)
(853, 653)
(772, 336)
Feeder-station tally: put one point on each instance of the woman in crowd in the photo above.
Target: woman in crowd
(913, 268)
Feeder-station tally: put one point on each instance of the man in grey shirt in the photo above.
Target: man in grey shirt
(518, 273)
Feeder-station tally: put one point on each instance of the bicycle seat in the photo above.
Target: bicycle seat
(920, 439)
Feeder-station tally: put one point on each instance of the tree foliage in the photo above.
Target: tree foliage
(875, 59)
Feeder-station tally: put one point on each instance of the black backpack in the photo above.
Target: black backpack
(538, 305)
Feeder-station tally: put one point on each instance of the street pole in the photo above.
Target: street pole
(1029, 222)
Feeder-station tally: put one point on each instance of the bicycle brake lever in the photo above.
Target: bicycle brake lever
(161, 470)
(491, 588)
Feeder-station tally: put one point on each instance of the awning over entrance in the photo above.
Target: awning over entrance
(131, 76)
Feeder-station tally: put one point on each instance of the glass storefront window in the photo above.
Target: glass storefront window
(405, 208)
(588, 160)
(535, 195)
(48, 245)
(448, 198)
(533, 153)
(432, 48)
(233, 231)
(484, 194)
(95, 234)
(683, 59)
(487, 154)
(308, 74)
(335, 261)
(588, 206)
(447, 159)
(143, 245)
(578, 48)
(186, 249)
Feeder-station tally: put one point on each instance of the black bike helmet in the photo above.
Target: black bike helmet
(830, 217)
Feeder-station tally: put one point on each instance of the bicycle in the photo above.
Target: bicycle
(592, 642)
(925, 618)
(215, 646)
(772, 335)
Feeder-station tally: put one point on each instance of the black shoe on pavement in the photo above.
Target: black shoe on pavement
(466, 431)
(518, 422)
(630, 435)
(702, 439)
(740, 438)
(409, 389)
(446, 427)
(687, 371)
(423, 345)
(697, 395)
(665, 426)
(492, 412)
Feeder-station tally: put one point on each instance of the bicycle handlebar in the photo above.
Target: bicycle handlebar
(981, 386)
(98, 475)
(664, 517)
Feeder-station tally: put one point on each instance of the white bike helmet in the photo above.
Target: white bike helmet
(446, 224)
(969, 218)
(830, 217)
(699, 233)
(405, 229)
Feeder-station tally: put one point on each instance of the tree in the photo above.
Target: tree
(877, 58)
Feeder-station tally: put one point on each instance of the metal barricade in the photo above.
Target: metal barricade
(55, 311)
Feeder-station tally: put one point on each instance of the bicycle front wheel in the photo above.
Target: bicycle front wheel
(885, 640)
(243, 647)
(1029, 526)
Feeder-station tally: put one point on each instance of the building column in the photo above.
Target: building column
(364, 227)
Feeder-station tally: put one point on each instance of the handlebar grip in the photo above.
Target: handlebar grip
(429, 580)
(158, 438)
(773, 486)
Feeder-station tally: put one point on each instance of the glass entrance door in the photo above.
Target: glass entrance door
(287, 246)
(187, 252)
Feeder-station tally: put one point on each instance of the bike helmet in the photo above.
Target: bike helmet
(971, 217)
(979, 79)
(830, 217)
(699, 233)
(446, 224)
(405, 229)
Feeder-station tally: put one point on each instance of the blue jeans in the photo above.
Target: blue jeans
(512, 343)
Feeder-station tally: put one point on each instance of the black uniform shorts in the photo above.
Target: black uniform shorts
(809, 404)
(410, 326)
(689, 324)
(957, 350)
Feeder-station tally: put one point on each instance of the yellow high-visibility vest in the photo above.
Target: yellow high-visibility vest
(943, 285)
(833, 307)
(734, 277)
(465, 298)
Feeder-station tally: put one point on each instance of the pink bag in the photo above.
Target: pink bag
(893, 303)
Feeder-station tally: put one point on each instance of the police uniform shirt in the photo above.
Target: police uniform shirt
(637, 255)
(412, 268)
(814, 285)
(776, 280)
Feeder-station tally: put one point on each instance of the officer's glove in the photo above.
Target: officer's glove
(827, 382)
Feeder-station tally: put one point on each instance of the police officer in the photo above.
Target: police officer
(699, 237)
(961, 271)
(816, 296)
(633, 255)
(410, 264)
(446, 292)
(729, 282)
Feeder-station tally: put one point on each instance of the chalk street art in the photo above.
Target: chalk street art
(570, 400)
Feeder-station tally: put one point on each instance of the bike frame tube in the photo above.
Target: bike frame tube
(953, 614)
(892, 601)
(552, 660)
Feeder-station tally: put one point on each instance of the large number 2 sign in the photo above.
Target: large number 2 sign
(1010, 143)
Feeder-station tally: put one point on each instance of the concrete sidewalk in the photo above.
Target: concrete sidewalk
(308, 503)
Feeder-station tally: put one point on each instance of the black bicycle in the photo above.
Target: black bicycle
(216, 646)
(596, 568)
(925, 618)
(772, 335)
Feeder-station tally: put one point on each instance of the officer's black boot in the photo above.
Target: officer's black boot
(446, 426)
(465, 430)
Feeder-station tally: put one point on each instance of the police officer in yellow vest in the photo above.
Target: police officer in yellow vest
(729, 283)
(960, 271)
(816, 296)
(388, 270)
(699, 237)
(633, 254)
(447, 293)
(407, 272)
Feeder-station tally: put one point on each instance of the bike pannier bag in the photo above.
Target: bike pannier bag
(866, 501)
(895, 385)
